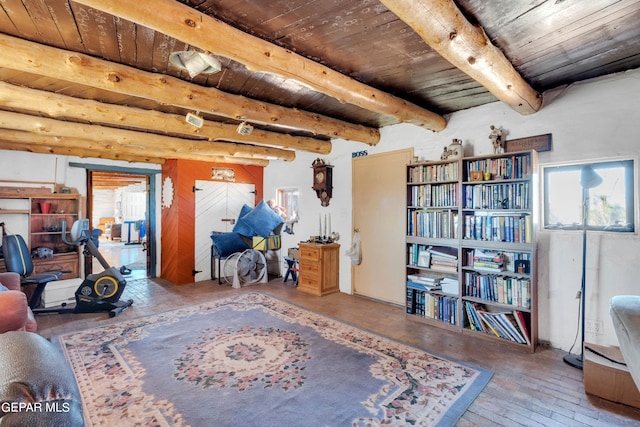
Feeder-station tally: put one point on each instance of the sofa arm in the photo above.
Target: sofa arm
(37, 386)
(10, 280)
(14, 311)
(625, 313)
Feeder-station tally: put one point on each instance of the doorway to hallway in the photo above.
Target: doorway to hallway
(118, 206)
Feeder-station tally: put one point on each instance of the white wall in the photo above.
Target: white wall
(592, 120)
(18, 168)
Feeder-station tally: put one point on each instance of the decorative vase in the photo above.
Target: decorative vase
(45, 207)
(455, 149)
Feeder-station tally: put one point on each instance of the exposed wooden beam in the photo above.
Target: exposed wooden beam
(62, 106)
(83, 69)
(197, 29)
(127, 140)
(31, 144)
(104, 180)
(70, 146)
(443, 27)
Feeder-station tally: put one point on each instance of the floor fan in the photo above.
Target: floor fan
(248, 267)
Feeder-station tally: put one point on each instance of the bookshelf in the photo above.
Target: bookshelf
(25, 213)
(433, 249)
(471, 246)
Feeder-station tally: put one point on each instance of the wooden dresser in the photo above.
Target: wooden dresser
(319, 268)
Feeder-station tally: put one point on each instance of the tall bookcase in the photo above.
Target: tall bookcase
(471, 246)
(433, 244)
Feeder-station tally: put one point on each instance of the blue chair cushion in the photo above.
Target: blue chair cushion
(241, 227)
(226, 244)
(262, 220)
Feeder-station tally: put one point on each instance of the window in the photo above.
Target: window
(609, 205)
(287, 199)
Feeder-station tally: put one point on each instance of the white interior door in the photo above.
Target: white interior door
(217, 207)
(379, 199)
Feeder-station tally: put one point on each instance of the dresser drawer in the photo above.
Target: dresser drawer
(309, 282)
(311, 254)
(309, 267)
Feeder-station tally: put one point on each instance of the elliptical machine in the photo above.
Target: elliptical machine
(100, 291)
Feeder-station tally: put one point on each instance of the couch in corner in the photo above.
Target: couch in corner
(37, 386)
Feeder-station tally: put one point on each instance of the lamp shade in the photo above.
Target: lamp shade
(589, 178)
(195, 62)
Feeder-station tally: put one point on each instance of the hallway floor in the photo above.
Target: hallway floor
(118, 253)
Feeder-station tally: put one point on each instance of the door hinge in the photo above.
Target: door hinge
(194, 189)
(194, 272)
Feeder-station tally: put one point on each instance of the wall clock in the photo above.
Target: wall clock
(167, 193)
(322, 181)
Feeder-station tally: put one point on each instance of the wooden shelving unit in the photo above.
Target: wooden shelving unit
(471, 246)
(38, 217)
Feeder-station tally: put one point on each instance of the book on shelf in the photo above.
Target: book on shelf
(487, 255)
(411, 301)
(505, 324)
(426, 284)
(444, 252)
(515, 228)
(425, 279)
(424, 258)
(487, 260)
(522, 325)
(503, 321)
(450, 286)
(504, 290)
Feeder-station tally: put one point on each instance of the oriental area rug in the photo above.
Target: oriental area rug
(253, 360)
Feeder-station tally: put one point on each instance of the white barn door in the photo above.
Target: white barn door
(218, 205)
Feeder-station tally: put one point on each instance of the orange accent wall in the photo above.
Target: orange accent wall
(178, 221)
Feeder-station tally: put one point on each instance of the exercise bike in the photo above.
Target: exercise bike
(100, 291)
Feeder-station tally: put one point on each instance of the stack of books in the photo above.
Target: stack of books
(444, 259)
(424, 281)
(487, 260)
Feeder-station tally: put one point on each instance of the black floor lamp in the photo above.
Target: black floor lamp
(588, 179)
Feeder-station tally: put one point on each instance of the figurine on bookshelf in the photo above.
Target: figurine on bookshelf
(496, 139)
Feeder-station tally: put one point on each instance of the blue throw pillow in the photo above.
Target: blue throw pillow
(241, 226)
(262, 219)
(228, 243)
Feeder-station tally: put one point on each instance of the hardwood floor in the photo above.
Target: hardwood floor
(527, 389)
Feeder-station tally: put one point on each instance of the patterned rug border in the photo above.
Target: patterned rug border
(450, 418)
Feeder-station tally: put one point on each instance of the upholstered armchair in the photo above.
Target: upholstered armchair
(625, 313)
(15, 314)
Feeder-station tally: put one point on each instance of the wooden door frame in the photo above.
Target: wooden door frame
(152, 246)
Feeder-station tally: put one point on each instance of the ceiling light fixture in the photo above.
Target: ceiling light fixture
(244, 128)
(195, 63)
(194, 120)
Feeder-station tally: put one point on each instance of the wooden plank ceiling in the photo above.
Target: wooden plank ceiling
(92, 78)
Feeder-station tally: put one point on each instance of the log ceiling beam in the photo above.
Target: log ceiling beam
(75, 67)
(44, 144)
(465, 45)
(128, 141)
(205, 32)
(71, 146)
(64, 107)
